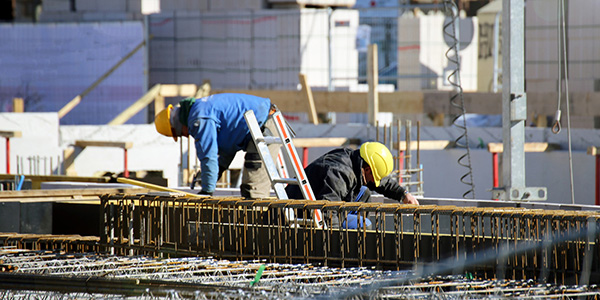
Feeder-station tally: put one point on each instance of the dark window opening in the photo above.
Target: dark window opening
(7, 10)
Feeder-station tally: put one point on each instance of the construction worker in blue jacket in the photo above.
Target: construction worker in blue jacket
(219, 129)
(345, 174)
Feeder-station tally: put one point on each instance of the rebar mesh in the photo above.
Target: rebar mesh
(208, 278)
(400, 237)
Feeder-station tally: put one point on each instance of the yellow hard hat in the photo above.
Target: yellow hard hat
(379, 158)
(162, 121)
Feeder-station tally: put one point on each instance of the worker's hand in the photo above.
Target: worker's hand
(410, 199)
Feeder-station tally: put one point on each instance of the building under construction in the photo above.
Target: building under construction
(95, 204)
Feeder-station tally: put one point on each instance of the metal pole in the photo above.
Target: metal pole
(514, 106)
(146, 53)
(514, 109)
(496, 53)
(329, 56)
(7, 155)
(597, 179)
(126, 172)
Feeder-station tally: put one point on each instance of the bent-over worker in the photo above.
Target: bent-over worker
(219, 129)
(340, 174)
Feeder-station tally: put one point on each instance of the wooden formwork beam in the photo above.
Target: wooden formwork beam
(529, 147)
(18, 105)
(339, 101)
(435, 103)
(125, 115)
(77, 195)
(306, 89)
(373, 82)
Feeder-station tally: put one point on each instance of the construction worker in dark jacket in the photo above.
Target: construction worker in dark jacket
(346, 174)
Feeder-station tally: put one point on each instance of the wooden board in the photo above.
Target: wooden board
(10, 134)
(423, 102)
(323, 142)
(137, 106)
(528, 147)
(306, 89)
(103, 179)
(178, 90)
(425, 145)
(65, 194)
(351, 102)
(122, 145)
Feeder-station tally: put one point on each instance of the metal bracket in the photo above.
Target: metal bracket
(521, 194)
(518, 107)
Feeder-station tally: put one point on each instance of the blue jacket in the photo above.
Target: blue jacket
(219, 129)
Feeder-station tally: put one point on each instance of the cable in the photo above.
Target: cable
(566, 62)
(556, 127)
(457, 99)
(563, 58)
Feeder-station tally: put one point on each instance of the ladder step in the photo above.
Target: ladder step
(286, 180)
(270, 140)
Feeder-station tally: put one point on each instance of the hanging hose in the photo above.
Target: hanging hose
(457, 99)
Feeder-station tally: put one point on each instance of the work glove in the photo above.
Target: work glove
(355, 221)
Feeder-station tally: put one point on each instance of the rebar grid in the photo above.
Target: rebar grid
(401, 237)
(191, 269)
(65, 243)
(277, 281)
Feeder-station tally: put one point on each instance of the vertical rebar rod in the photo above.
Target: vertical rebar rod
(390, 143)
(112, 229)
(408, 152)
(160, 230)
(399, 157)
(143, 209)
(131, 225)
(384, 134)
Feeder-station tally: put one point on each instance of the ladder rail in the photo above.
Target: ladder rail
(289, 150)
(263, 151)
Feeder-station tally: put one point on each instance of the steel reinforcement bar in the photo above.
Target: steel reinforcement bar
(492, 243)
(42, 242)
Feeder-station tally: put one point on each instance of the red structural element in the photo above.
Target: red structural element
(7, 155)
(126, 172)
(400, 165)
(304, 157)
(597, 179)
(495, 181)
(495, 177)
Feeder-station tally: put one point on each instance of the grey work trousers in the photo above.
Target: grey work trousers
(255, 180)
